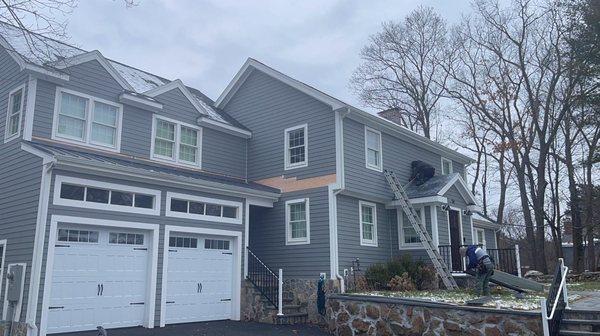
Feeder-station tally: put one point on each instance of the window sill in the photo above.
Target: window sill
(290, 167)
(377, 169)
(300, 242)
(370, 244)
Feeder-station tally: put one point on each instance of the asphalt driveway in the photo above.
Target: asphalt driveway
(216, 328)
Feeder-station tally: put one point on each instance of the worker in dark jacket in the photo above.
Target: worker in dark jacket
(483, 266)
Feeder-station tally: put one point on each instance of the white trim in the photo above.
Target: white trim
(435, 235)
(9, 137)
(193, 198)
(472, 229)
(24, 65)
(177, 143)
(366, 242)
(420, 200)
(463, 190)
(224, 127)
(90, 56)
(3, 243)
(297, 241)
(129, 97)
(30, 108)
(476, 238)
(237, 267)
(462, 237)
(251, 64)
(287, 164)
(40, 235)
(339, 150)
(89, 120)
(380, 152)
(451, 166)
(246, 235)
(19, 306)
(152, 270)
(177, 84)
(57, 200)
(333, 235)
(409, 246)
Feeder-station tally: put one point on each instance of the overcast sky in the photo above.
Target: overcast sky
(205, 42)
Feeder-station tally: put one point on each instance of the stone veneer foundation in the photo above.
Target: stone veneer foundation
(370, 315)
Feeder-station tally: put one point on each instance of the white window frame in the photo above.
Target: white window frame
(401, 244)
(87, 138)
(378, 168)
(194, 198)
(175, 159)
(8, 137)
(288, 233)
(60, 179)
(450, 165)
(476, 238)
(366, 242)
(286, 147)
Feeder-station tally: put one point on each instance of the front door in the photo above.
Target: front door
(455, 240)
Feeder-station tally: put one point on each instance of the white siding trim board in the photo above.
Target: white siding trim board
(153, 229)
(30, 108)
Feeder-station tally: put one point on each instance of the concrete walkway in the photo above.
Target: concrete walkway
(588, 301)
(216, 328)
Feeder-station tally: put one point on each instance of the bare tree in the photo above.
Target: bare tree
(402, 70)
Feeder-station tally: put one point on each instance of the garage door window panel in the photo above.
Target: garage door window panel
(183, 242)
(193, 207)
(77, 236)
(124, 238)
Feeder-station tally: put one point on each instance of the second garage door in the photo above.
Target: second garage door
(199, 278)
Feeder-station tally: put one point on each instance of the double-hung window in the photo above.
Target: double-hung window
(176, 142)
(446, 166)
(368, 223)
(13, 114)
(89, 120)
(480, 236)
(408, 236)
(297, 227)
(296, 147)
(373, 156)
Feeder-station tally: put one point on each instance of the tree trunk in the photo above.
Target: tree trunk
(578, 252)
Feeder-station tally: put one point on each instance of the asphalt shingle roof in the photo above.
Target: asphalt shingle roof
(431, 187)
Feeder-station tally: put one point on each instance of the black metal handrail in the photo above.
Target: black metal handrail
(263, 278)
(555, 304)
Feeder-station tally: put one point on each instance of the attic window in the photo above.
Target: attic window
(296, 147)
(446, 166)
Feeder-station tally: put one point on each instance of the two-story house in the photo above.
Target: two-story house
(129, 199)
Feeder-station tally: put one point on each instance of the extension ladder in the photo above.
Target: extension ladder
(438, 262)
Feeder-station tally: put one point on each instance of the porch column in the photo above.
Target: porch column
(434, 226)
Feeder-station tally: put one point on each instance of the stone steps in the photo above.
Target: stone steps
(292, 318)
(580, 322)
(578, 333)
(580, 325)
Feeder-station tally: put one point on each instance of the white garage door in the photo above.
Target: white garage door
(199, 279)
(99, 279)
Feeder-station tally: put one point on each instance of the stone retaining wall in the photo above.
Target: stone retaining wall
(368, 315)
(583, 277)
(18, 328)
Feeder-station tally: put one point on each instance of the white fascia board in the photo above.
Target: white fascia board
(94, 55)
(250, 64)
(177, 84)
(135, 100)
(462, 189)
(210, 123)
(420, 200)
(72, 164)
(406, 134)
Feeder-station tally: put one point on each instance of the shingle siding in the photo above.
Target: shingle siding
(20, 176)
(221, 153)
(267, 236)
(161, 220)
(267, 107)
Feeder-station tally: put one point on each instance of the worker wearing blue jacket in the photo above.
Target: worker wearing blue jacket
(482, 264)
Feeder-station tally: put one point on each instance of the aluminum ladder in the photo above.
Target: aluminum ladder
(438, 262)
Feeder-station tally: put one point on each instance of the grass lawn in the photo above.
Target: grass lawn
(501, 298)
(591, 286)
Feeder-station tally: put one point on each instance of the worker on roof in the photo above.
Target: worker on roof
(482, 264)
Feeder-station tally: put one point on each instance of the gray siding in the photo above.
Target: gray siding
(268, 106)
(443, 234)
(349, 235)
(20, 176)
(162, 220)
(267, 237)
(397, 156)
(490, 238)
(222, 153)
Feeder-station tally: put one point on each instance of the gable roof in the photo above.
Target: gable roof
(49, 55)
(253, 65)
(438, 186)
